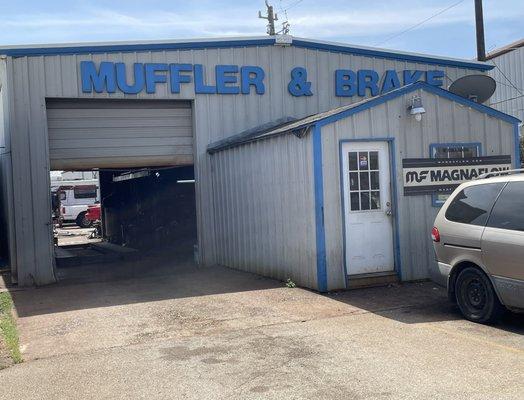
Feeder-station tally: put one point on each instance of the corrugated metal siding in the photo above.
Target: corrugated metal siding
(445, 121)
(87, 134)
(510, 88)
(264, 204)
(215, 117)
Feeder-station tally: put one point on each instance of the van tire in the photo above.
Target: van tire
(82, 221)
(476, 297)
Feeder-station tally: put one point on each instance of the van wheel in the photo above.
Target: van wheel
(476, 297)
(82, 221)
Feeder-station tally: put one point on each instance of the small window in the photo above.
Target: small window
(364, 183)
(508, 212)
(63, 196)
(459, 150)
(473, 204)
(85, 192)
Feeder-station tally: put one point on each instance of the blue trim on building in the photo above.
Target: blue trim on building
(320, 232)
(516, 134)
(394, 200)
(126, 48)
(210, 44)
(432, 146)
(390, 55)
(375, 101)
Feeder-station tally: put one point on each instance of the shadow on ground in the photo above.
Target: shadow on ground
(154, 277)
(413, 303)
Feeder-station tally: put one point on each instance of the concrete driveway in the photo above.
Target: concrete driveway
(216, 333)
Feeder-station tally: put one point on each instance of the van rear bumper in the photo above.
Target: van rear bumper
(441, 275)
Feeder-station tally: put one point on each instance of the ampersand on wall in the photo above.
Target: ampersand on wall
(299, 86)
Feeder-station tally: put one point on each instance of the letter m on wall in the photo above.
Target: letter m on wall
(103, 80)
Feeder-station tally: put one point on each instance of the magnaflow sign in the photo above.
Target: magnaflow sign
(443, 175)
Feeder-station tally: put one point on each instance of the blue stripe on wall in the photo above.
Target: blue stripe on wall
(319, 210)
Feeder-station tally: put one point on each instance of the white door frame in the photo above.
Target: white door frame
(394, 201)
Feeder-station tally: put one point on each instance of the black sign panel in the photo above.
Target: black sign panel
(443, 175)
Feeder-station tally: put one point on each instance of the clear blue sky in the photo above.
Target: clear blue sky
(368, 22)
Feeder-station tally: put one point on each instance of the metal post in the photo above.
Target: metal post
(479, 22)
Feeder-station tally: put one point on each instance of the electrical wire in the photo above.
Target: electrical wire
(420, 23)
(502, 101)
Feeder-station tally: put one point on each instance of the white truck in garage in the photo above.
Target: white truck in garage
(75, 196)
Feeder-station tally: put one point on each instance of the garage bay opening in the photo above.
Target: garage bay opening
(123, 186)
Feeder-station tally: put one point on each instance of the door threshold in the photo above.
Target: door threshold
(371, 279)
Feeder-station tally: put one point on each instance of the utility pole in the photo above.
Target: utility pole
(271, 17)
(479, 23)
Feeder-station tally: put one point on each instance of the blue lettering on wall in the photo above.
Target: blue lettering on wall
(226, 78)
(252, 76)
(232, 79)
(100, 81)
(367, 78)
(411, 76)
(176, 76)
(391, 81)
(155, 74)
(138, 78)
(345, 83)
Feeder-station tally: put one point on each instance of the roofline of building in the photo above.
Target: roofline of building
(211, 43)
(505, 49)
(323, 119)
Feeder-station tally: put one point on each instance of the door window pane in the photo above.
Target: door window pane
(373, 160)
(473, 204)
(363, 160)
(355, 204)
(352, 156)
(364, 181)
(353, 181)
(364, 201)
(508, 212)
(374, 180)
(375, 200)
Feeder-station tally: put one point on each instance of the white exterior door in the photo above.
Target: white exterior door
(367, 207)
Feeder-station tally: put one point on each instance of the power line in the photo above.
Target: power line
(504, 75)
(503, 101)
(420, 23)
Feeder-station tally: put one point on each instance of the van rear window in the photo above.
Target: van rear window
(508, 212)
(85, 192)
(473, 204)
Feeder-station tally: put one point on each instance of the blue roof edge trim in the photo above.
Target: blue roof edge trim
(392, 55)
(210, 44)
(129, 47)
(374, 101)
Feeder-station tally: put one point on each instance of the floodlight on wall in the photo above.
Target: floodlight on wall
(416, 109)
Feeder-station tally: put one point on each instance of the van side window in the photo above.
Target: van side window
(85, 192)
(473, 204)
(508, 212)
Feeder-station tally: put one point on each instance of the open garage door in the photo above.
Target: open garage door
(93, 133)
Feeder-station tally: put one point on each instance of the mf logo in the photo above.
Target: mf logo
(414, 176)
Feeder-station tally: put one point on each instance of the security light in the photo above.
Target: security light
(416, 109)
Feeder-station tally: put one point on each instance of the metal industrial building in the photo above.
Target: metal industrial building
(509, 74)
(277, 206)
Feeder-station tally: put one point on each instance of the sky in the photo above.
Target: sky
(367, 23)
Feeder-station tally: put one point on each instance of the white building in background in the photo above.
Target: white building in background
(509, 74)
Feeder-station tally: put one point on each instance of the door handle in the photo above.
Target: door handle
(389, 212)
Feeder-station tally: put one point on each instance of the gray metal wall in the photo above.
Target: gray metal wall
(444, 122)
(264, 208)
(86, 134)
(7, 247)
(35, 78)
(510, 88)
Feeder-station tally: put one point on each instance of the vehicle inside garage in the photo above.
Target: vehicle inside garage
(142, 201)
